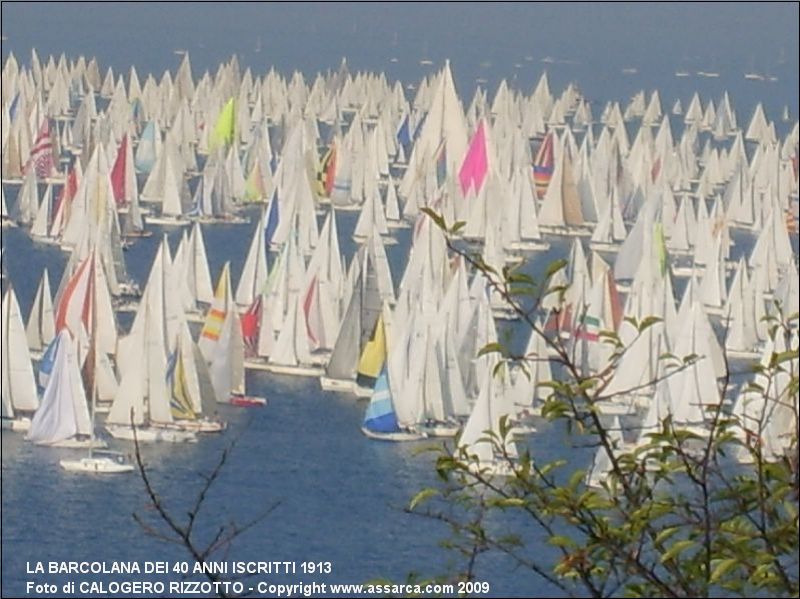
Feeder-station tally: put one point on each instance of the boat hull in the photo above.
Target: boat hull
(298, 370)
(79, 444)
(342, 385)
(400, 436)
(19, 425)
(151, 434)
(96, 466)
(247, 401)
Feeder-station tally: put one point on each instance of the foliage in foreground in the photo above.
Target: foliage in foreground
(686, 512)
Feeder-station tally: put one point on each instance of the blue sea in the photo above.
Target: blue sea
(338, 496)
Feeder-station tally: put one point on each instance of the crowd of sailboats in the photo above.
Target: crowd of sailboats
(642, 202)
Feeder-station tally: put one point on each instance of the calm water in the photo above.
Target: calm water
(340, 495)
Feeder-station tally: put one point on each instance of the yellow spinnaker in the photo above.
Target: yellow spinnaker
(225, 128)
(374, 353)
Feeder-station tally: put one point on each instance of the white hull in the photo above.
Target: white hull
(151, 434)
(195, 317)
(602, 246)
(102, 465)
(321, 357)
(386, 239)
(299, 370)
(44, 240)
(129, 290)
(530, 245)
(339, 208)
(748, 354)
(440, 430)
(196, 426)
(613, 408)
(329, 384)
(494, 468)
(566, 231)
(504, 313)
(167, 221)
(129, 306)
(522, 430)
(396, 437)
(360, 391)
(79, 444)
(19, 425)
(214, 220)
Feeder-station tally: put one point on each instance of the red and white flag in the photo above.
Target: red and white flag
(41, 158)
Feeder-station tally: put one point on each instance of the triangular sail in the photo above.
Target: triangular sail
(19, 386)
(380, 416)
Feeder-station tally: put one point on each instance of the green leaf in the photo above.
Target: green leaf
(423, 495)
(561, 541)
(491, 348)
(677, 548)
(505, 502)
(665, 534)
(520, 277)
(437, 218)
(648, 322)
(576, 479)
(784, 356)
(554, 267)
(722, 568)
(457, 226)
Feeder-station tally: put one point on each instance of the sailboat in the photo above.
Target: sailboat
(561, 212)
(481, 435)
(143, 399)
(41, 327)
(63, 419)
(19, 386)
(105, 462)
(601, 464)
(99, 462)
(380, 420)
(372, 286)
(226, 365)
(610, 233)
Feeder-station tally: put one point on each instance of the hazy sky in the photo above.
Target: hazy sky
(489, 40)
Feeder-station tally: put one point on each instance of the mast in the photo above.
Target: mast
(93, 349)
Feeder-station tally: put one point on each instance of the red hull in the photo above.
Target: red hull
(244, 401)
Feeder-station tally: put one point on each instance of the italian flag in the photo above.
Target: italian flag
(590, 328)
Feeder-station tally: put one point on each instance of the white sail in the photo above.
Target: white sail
(226, 366)
(601, 464)
(196, 265)
(254, 274)
(769, 415)
(43, 215)
(483, 421)
(19, 385)
(41, 327)
(64, 412)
